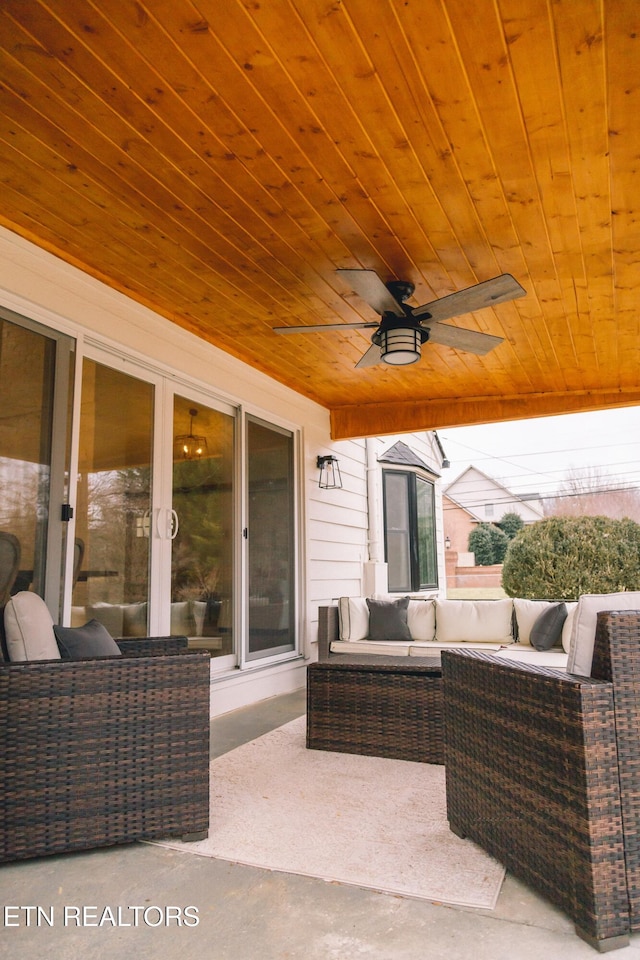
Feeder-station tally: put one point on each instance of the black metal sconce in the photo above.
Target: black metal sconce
(447, 543)
(330, 477)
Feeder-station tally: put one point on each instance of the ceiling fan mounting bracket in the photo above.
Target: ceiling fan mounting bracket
(401, 290)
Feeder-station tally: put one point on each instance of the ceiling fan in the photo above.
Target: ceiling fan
(397, 338)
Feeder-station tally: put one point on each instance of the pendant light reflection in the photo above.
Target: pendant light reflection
(190, 446)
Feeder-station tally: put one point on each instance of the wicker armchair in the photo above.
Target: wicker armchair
(104, 751)
(543, 771)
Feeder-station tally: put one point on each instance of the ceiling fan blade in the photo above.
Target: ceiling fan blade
(369, 287)
(460, 339)
(371, 358)
(486, 294)
(321, 327)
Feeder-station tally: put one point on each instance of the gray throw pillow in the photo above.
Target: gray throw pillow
(91, 640)
(388, 619)
(547, 630)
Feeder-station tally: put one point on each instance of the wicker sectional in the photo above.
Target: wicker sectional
(104, 751)
(543, 771)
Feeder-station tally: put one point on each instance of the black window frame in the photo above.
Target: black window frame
(412, 479)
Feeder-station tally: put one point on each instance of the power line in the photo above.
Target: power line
(543, 473)
(516, 500)
(606, 475)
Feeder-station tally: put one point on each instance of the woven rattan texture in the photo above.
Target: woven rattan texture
(616, 658)
(384, 709)
(536, 765)
(104, 751)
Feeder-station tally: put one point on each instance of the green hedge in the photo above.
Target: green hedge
(563, 557)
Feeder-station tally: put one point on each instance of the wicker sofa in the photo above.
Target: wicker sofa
(104, 750)
(499, 626)
(543, 771)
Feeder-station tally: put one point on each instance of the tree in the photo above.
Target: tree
(511, 524)
(488, 543)
(593, 492)
(564, 557)
(481, 544)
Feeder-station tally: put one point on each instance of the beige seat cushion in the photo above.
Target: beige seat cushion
(394, 648)
(28, 627)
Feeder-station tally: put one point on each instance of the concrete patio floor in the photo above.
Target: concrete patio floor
(251, 914)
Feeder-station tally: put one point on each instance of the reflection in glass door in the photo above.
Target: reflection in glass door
(203, 524)
(113, 508)
(271, 543)
(35, 392)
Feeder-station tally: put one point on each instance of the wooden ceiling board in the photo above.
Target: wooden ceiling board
(219, 162)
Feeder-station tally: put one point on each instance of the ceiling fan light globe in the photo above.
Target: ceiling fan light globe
(400, 346)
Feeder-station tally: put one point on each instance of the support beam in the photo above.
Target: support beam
(378, 419)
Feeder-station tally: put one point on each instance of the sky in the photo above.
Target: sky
(536, 455)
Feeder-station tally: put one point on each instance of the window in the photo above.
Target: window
(409, 527)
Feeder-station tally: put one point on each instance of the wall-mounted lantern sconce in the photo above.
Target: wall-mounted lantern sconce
(446, 464)
(330, 478)
(447, 543)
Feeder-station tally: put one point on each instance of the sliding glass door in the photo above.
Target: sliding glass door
(203, 528)
(155, 512)
(184, 507)
(113, 501)
(35, 399)
(270, 536)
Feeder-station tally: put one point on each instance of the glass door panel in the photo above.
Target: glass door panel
(202, 560)
(35, 388)
(271, 543)
(113, 507)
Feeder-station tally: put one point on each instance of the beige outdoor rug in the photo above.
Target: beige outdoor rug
(367, 821)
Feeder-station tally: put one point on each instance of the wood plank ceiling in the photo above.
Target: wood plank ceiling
(218, 160)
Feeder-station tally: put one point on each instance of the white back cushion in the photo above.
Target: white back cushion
(353, 616)
(484, 621)
(421, 617)
(28, 627)
(583, 633)
(572, 606)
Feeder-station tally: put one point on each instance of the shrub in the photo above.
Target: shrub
(564, 557)
(481, 544)
(499, 543)
(511, 524)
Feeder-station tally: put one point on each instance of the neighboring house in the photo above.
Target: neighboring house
(473, 498)
(160, 485)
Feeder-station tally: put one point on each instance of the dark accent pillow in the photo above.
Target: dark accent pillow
(547, 630)
(91, 640)
(388, 619)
